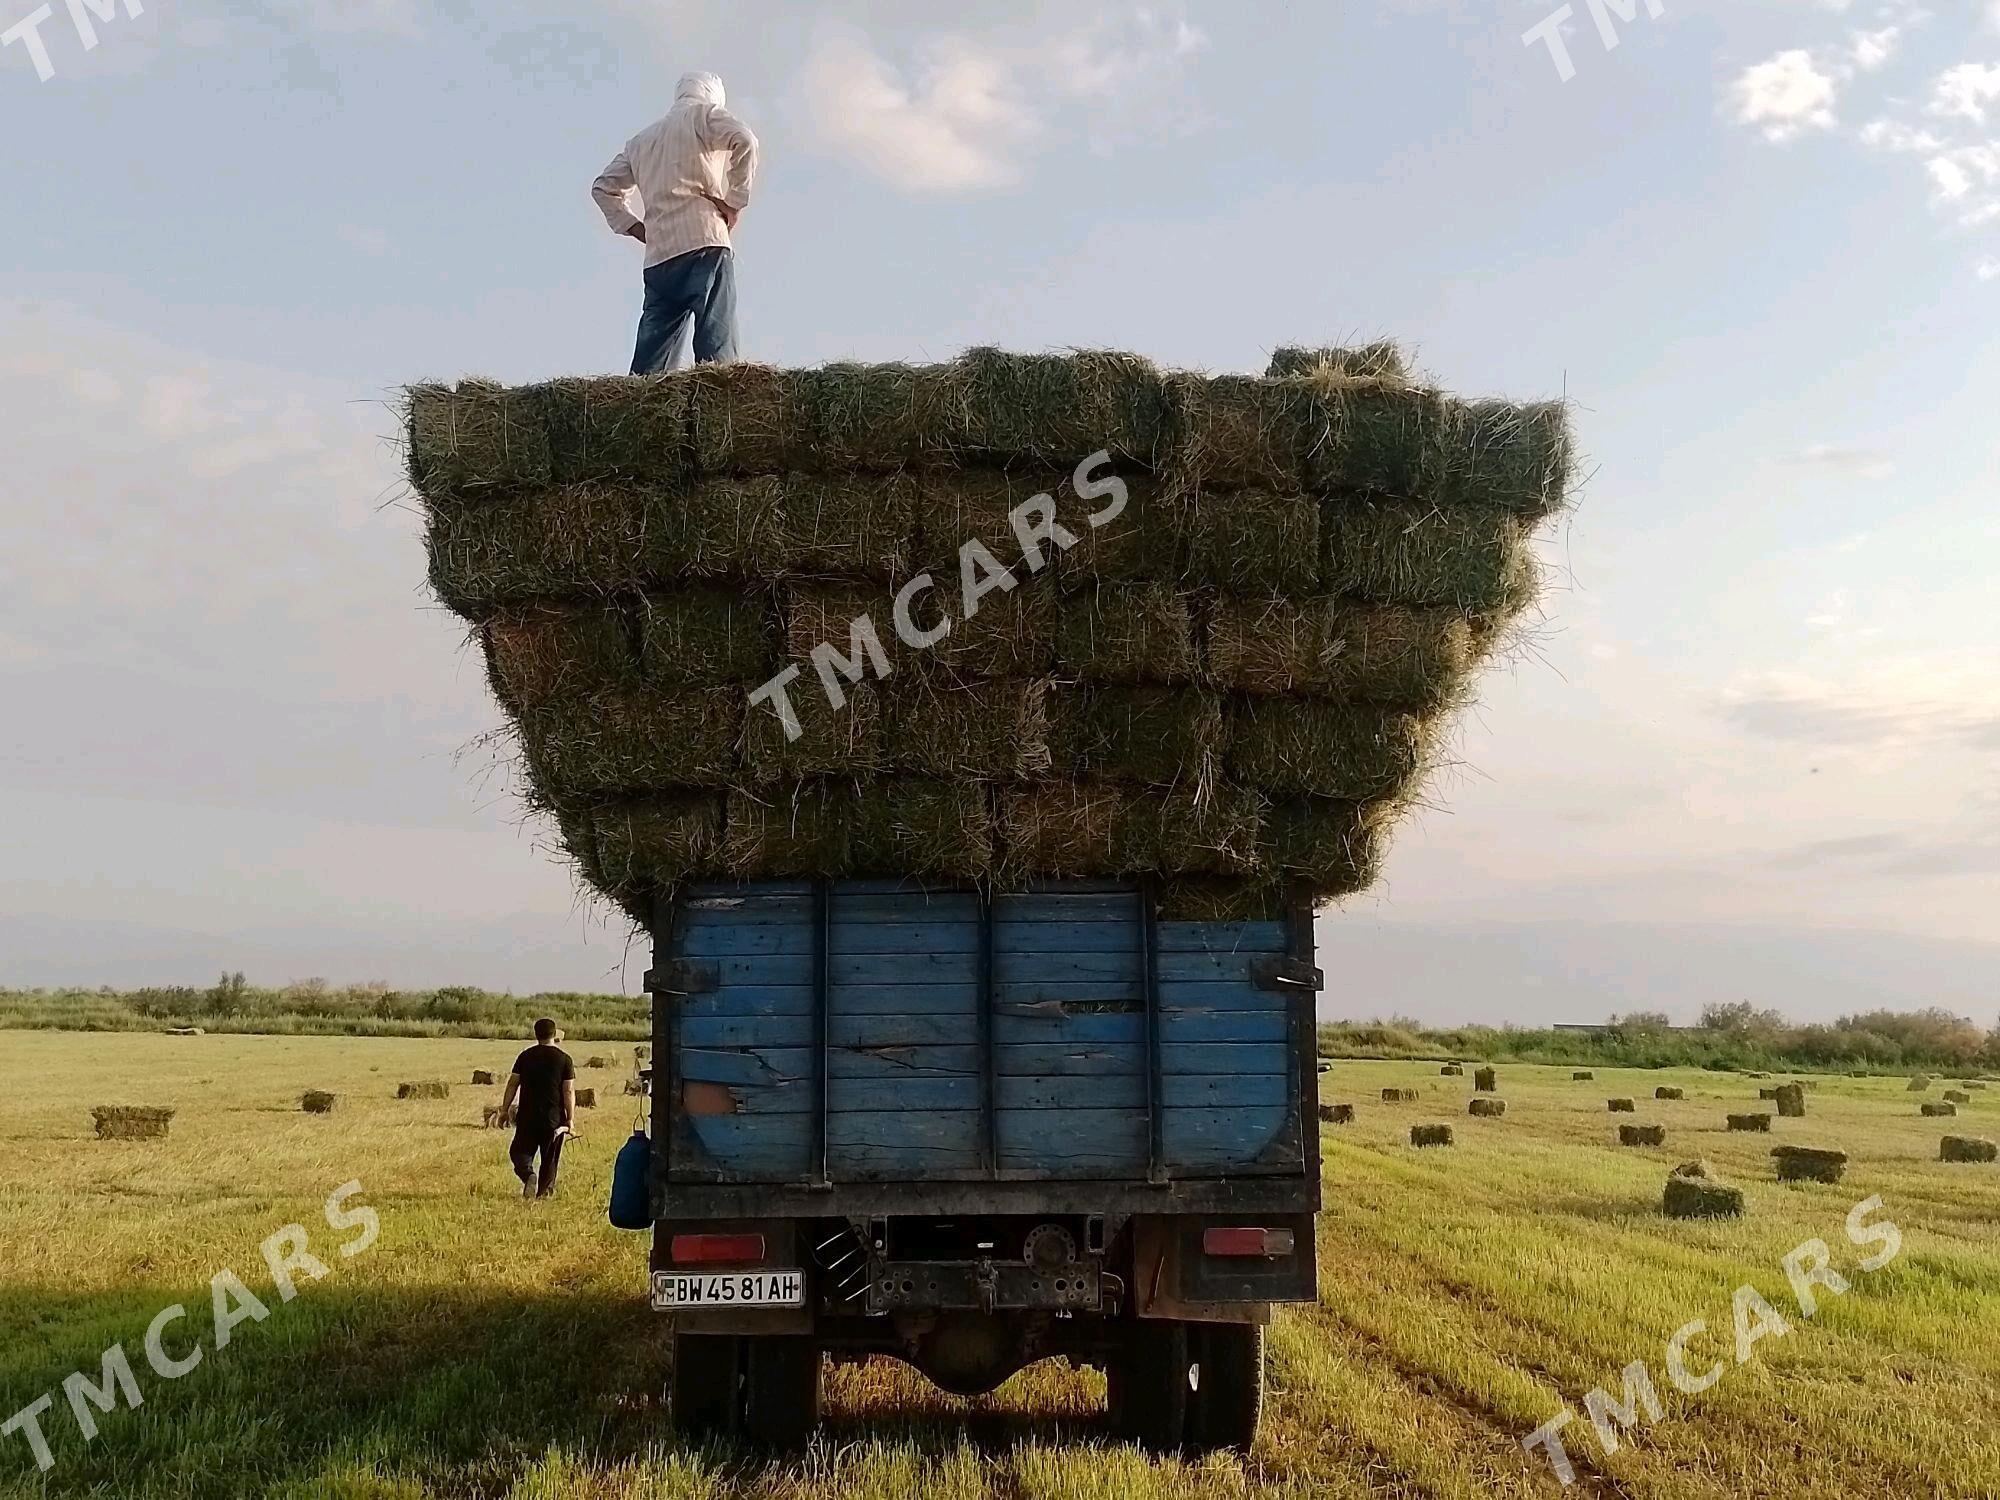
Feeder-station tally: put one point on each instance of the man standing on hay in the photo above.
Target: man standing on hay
(692, 171)
(544, 1084)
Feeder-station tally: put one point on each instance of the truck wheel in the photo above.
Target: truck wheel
(782, 1391)
(707, 1386)
(1228, 1395)
(1148, 1383)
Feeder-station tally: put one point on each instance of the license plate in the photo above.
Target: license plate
(673, 1290)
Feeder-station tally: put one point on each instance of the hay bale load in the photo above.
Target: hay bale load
(1240, 673)
(131, 1122)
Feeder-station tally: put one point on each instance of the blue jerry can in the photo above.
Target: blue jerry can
(631, 1203)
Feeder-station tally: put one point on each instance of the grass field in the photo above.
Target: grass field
(483, 1347)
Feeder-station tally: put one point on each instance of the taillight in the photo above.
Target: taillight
(711, 1249)
(1255, 1244)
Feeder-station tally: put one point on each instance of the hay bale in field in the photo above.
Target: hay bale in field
(1858, 1073)
(1791, 1101)
(1430, 1135)
(1485, 1080)
(490, 1116)
(1400, 1096)
(1410, 658)
(1451, 1070)
(186, 1031)
(598, 1062)
(131, 1122)
(1336, 1114)
(634, 1086)
(1957, 1096)
(1486, 1109)
(1770, 1093)
(1642, 1135)
(1967, 1148)
(1937, 1111)
(483, 1078)
(1755, 1123)
(1918, 1084)
(1583, 1075)
(425, 1089)
(586, 1098)
(1138, 634)
(1667, 1091)
(1621, 1106)
(1696, 1198)
(1699, 1168)
(1976, 1084)
(1809, 1164)
(318, 1102)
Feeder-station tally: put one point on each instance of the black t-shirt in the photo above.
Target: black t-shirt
(543, 1070)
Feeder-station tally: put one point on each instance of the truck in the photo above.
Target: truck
(971, 1129)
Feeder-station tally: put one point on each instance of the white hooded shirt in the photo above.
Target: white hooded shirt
(680, 166)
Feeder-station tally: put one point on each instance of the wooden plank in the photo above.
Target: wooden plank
(844, 1096)
(1128, 1091)
(1175, 1027)
(878, 1031)
(768, 1148)
(731, 939)
(1224, 937)
(1206, 995)
(1233, 1140)
(1014, 907)
(881, 968)
(1085, 991)
(1058, 1144)
(890, 1146)
(1272, 1058)
(1022, 965)
(950, 936)
(1070, 937)
(771, 1065)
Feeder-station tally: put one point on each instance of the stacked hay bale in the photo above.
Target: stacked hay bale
(1694, 1192)
(1236, 681)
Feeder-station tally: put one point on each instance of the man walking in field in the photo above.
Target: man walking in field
(543, 1086)
(693, 171)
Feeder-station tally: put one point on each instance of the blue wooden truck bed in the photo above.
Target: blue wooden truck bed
(841, 1047)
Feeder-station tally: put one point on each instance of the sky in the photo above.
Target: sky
(1748, 751)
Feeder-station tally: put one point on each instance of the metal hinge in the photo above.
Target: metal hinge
(1284, 974)
(682, 977)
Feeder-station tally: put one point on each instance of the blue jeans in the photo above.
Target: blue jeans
(700, 288)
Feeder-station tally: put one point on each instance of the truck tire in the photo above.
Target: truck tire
(1148, 1383)
(781, 1391)
(707, 1386)
(1228, 1396)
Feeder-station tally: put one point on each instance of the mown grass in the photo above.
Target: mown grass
(486, 1348)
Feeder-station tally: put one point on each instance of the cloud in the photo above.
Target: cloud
(971, 112)
(1897, 855)
(1889, 708)
(1873, 49)
(1865, 463)
(1965, 91)
(1786, 96)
